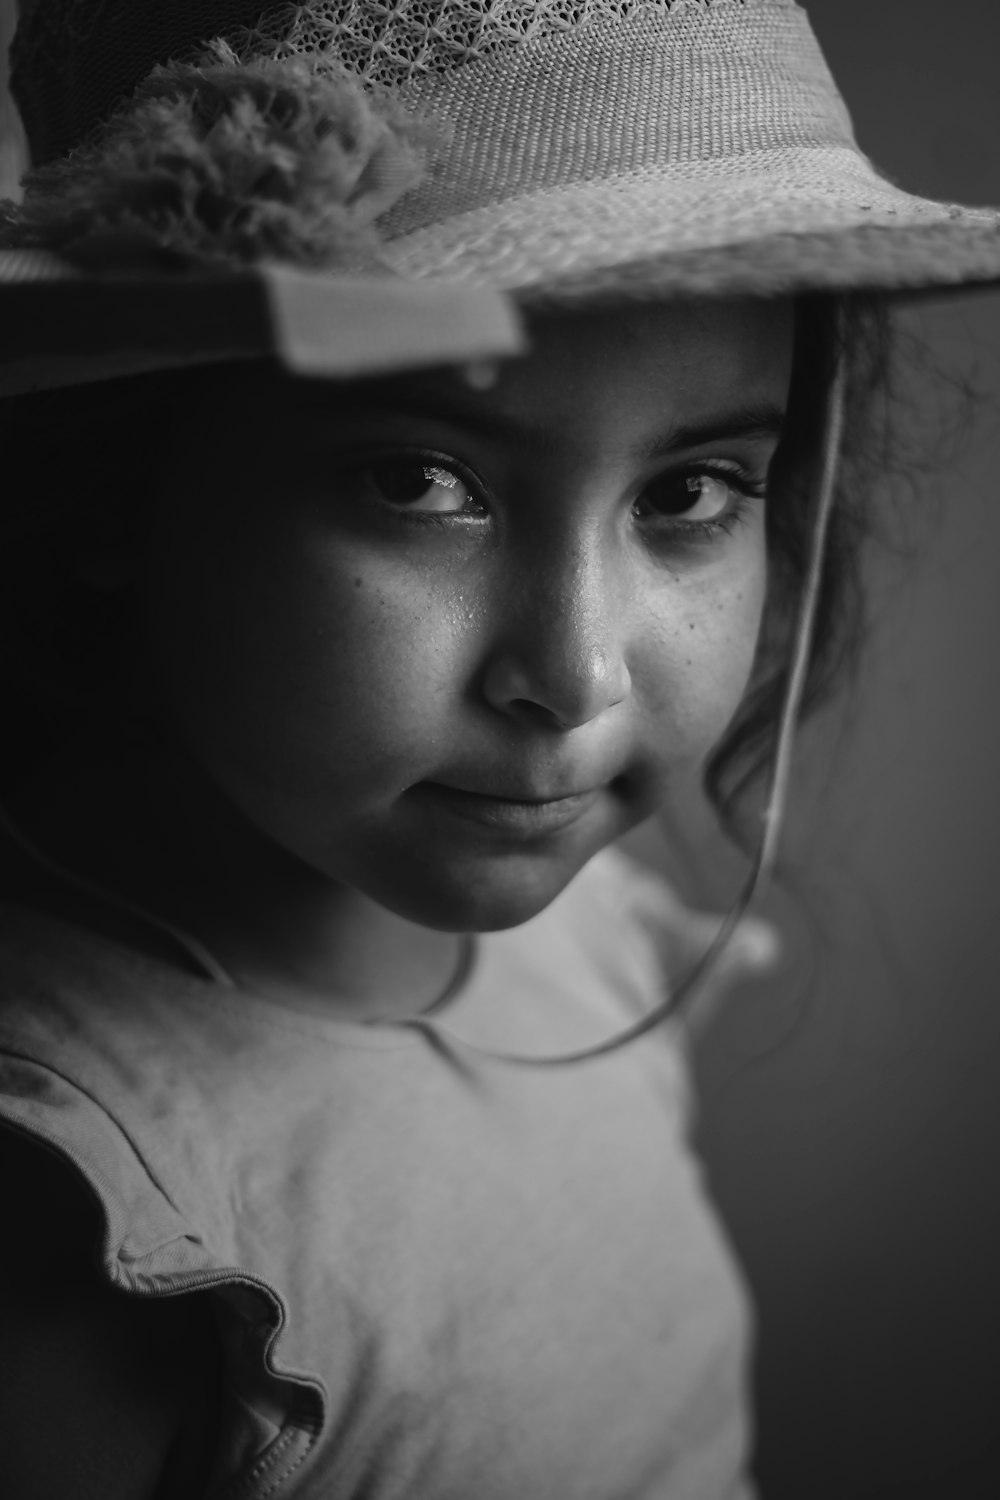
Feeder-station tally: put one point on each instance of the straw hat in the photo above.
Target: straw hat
(562, 151)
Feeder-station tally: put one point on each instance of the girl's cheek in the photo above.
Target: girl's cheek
(697, 650)
(294, 638)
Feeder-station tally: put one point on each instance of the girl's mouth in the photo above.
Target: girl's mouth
(509, 815)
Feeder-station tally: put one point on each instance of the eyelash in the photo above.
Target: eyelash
(745, 489)
(744, 486)
(429, 458)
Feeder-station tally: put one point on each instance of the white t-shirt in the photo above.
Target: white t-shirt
(440, 1277)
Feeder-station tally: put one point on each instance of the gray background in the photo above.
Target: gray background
(851, 1104)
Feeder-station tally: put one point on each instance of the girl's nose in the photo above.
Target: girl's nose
(560, 660)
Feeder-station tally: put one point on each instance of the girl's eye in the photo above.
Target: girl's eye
(694, 498)
(418, 486)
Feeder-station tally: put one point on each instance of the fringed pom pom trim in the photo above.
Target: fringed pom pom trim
(226, 160)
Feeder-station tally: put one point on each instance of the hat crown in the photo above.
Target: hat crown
(74, 60)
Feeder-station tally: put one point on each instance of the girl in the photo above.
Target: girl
(349, 689)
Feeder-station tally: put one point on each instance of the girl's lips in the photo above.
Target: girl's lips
(507, 815)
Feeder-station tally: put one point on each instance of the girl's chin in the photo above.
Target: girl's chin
(485, 900)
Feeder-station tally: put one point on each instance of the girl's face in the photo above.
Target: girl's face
(441, 643)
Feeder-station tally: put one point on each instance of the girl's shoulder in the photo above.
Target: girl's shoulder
(120, 1274)
(135, 1383)
(581, 972)
(629, 923)
(616, 885)
(625, 921)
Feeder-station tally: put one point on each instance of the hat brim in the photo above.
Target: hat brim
(61, 328)
(901, 264)
(776, 224)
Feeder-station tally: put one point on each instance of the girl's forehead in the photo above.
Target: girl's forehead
(628, 367)
(672, 337)
(637, 379)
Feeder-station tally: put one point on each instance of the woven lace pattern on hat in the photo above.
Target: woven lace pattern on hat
(393, 42)
(74, 60)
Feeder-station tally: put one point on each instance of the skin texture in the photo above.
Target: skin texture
(335, 669)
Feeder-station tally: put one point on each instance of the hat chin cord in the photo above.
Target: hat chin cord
(683, 995)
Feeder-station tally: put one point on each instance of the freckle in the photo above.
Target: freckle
(357, 583)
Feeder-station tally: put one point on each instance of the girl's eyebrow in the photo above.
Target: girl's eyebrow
(762, 421)
(751, 423)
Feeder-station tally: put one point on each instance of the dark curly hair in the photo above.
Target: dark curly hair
(857, 331)
(81, 454)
